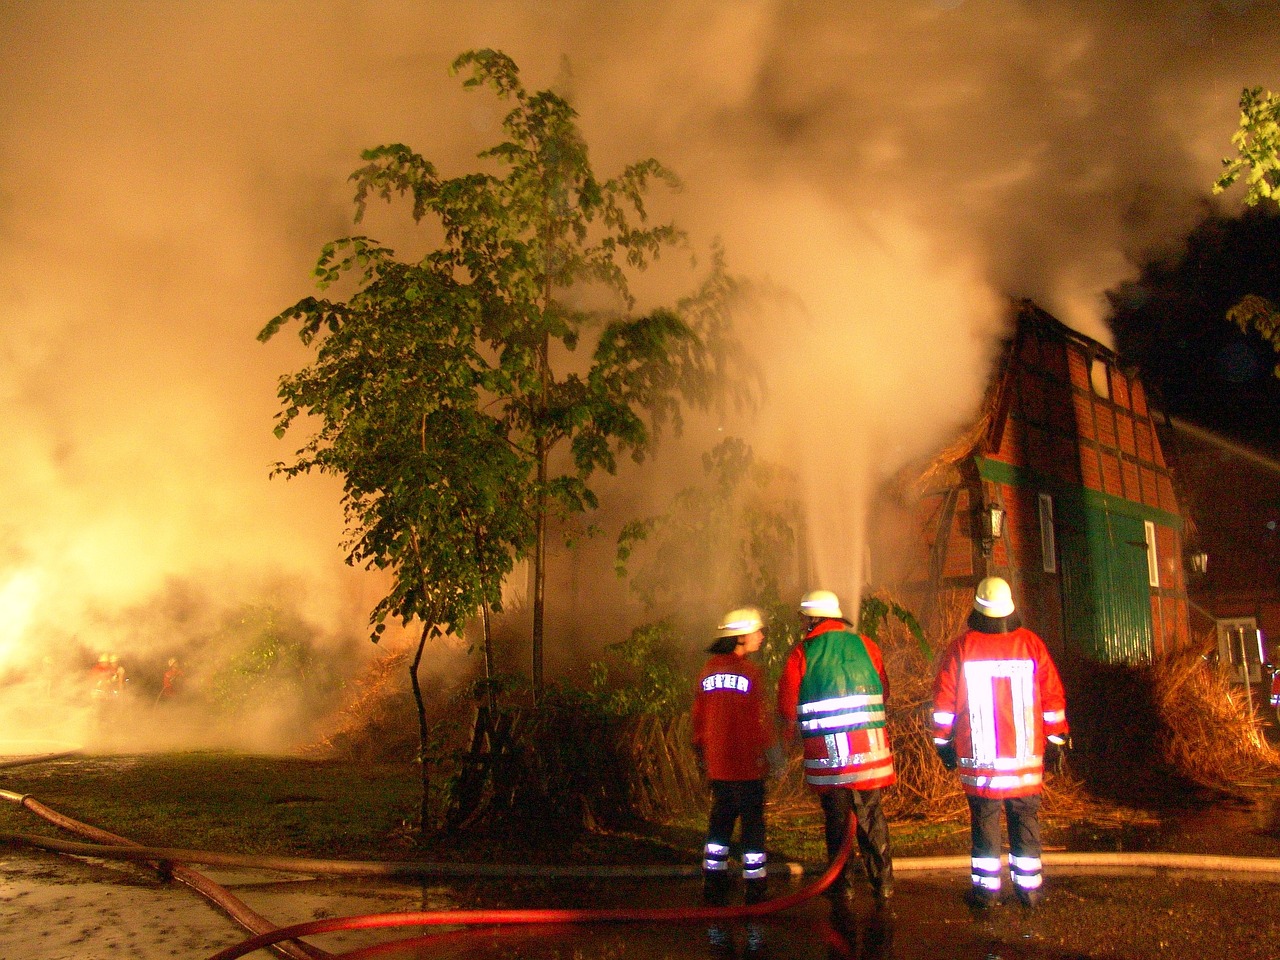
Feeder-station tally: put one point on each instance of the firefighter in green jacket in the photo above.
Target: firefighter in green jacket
(833, 688)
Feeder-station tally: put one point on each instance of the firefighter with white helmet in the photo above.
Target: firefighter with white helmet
(834, 688)
(736, 744)
(997, 698)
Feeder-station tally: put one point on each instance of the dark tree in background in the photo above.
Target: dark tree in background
(1171, 323)
(1257, 163)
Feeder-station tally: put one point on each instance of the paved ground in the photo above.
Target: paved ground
(56, 908)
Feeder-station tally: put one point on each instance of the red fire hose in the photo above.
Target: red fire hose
(451, 918)
(234, 907)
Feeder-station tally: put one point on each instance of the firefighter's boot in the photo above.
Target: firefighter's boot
(840, 895)
(715, 888)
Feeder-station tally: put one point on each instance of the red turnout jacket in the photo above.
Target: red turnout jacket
(996, 697)
(731, 728)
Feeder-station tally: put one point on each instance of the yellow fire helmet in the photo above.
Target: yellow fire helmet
(739, 623)
(821, 603)
(993, 598)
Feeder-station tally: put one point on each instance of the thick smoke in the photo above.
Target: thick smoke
(168, 173)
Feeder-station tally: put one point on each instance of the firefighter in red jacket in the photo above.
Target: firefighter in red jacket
(833, 688)
(996, 698)
(1275, 691)
(736, 745)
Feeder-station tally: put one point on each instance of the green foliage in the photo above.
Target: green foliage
(732, 536)
(1257, 142)
(654, 681)
(433, 489)
(874, 611)
(1255, 312)
(265, 654)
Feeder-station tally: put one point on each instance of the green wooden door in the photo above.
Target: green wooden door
(1105, 584)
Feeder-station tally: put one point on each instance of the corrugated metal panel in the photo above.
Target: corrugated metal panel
(1104, 583)
(1125, 603)
(1078, 593)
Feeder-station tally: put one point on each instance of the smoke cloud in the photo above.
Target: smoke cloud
(168, 173)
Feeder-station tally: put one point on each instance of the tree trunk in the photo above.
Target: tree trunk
(488, 654)
(540, 537)
(424, 764)
(539, 573)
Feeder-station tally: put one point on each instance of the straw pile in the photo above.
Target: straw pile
(1213, 734)
(925, 790)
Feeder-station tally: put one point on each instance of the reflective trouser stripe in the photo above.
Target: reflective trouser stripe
(715, 858)
(1025, 872)
(985, 872)
(754, 866)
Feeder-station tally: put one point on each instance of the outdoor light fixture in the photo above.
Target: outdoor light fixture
(991, 521)
(994, 522)
(1200, 562)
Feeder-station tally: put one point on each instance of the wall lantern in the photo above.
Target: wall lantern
(1200, 562)
(992, 523)
(991, 527)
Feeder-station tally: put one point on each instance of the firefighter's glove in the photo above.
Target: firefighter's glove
(1055, 752)
(777, 761)
(947, 754)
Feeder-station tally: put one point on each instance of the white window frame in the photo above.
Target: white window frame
(1233, 633)
(1048, 543)
(1153, 561)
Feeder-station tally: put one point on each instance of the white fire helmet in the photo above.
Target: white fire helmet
(993, 598)
(739, 623)
(821, 604)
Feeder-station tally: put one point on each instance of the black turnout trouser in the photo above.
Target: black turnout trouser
(1023, 817)
(872, 831)
(731, 801)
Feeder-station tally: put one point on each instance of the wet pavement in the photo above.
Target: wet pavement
(53, 908)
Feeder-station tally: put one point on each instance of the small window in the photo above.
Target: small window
(1153, 561)
(1240, 648)
(1047, 547)
(1098, 378)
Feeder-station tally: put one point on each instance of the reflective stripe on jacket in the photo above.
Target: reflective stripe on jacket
(996, 697)
(833, 687)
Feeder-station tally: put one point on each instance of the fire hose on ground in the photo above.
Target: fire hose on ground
(286, 939)
(224, 899)
(553, 917)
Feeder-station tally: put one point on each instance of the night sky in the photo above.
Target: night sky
(1170, 322)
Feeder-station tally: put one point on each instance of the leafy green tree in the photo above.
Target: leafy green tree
(433, 491)
(1257, 142)
(444, 385)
